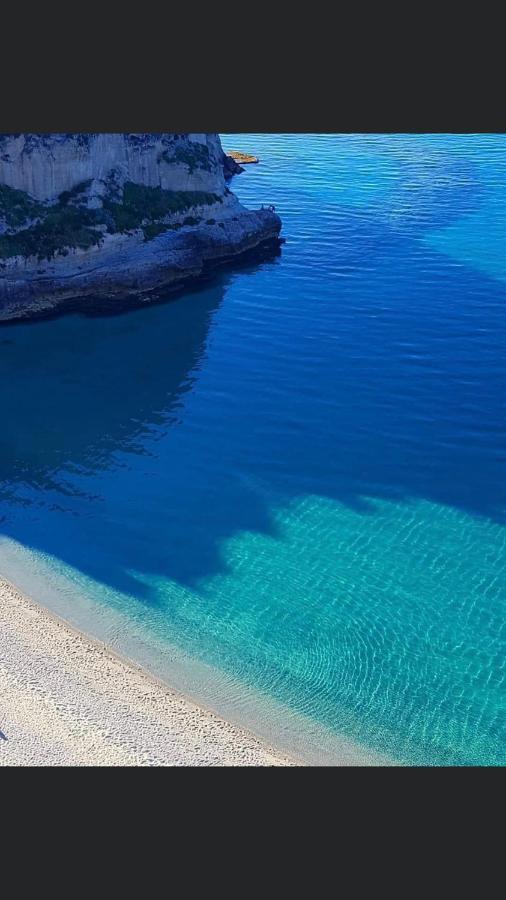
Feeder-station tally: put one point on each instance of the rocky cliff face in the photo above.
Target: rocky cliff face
(45, 165)
(115, 214)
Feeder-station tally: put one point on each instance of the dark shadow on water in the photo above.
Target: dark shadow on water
(84, 395)
(100, 465)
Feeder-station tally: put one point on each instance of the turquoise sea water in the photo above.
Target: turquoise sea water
(294, 476)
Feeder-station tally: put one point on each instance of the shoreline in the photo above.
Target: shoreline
(127, 272)
(68, 699)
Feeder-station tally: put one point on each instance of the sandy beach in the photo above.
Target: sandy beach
(65, 700)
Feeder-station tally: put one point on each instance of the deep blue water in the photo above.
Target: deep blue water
(296, 473)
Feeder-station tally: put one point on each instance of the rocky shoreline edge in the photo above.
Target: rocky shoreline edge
(112, 279)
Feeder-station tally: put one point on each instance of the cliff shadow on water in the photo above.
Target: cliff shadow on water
(88, 398)
(112, 461)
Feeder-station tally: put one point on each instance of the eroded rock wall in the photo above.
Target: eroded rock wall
(45, 165)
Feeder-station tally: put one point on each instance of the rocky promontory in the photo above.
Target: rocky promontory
(100, 217)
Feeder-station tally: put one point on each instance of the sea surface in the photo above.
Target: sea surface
(284, 491)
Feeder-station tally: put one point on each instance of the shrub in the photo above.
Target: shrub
(68, 225)
(195, 156)
(17, 207)
(62, 227)
(74, 193)
(143, 205)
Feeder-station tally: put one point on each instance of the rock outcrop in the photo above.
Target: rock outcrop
(115, 215)
(231, 167)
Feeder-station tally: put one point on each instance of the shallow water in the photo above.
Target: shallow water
(295, 475)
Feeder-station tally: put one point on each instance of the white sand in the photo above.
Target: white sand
(67, 701)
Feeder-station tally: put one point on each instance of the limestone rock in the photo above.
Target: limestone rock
(115, 215)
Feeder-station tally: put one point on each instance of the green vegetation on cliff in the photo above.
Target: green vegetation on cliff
(152, 231)
(143, 204)
(77, 194)
(61, 229)
(70, 224)
(16, 207)
(195, 156)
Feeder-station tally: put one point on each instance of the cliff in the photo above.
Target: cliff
(112, 215)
